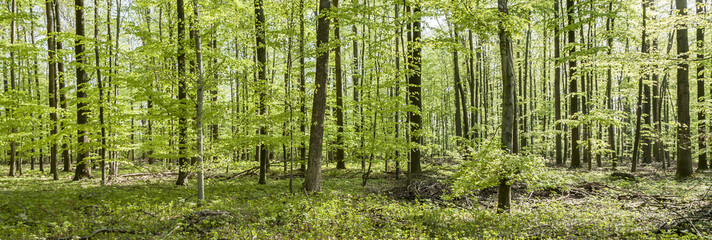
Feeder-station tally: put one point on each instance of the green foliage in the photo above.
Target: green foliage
(490, 164)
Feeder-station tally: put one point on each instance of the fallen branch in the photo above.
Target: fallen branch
(243, 173)
(148, 174)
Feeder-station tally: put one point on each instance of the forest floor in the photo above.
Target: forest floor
(578, 204)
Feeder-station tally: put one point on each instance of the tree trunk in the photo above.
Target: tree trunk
(52, 89)
(199, 104)
(261, 42)
(97, 58)
(573, 89)
(82, 170)
(557, 86)
(340, 153)
(182, 97)
(312, 181)
(302, 86)
(508, 105)
(702, 128)
(609, 86)
(414, 94)
(13, 144)
(66, 158)
(684, 144)
(641, 95)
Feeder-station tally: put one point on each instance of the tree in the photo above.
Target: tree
(557, 86)
(702, 128)
(645, 49)
(340, 153)
(312, 181)
(100, 84)
(82, 169)
(182, 96)
(684, 143)
(261, 46)
(52, 89)
(508, 104)
(574, 104)
(415, 92)
(199, 104)
(609, 87)
(13, 80)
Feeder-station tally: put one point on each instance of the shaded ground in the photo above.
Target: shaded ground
(587, 205)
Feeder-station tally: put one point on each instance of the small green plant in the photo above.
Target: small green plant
(491, 163)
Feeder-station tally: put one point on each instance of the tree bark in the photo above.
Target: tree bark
(199, 104)
(261, 46)
(508, 104)
(13, 144)
(97, 59)
(312, 181)
(414, 94)
(684, 144)
(82, 169)
(182, 96)
(557, 87)
(702, 128)
(573, 89)
(609, 86)
(340, 153)
(52, 89)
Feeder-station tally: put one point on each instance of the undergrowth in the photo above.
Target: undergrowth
(575, 204)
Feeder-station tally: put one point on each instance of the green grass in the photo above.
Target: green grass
(35, 207)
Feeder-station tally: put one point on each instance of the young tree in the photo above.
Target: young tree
(641, 96)
(702, 128)
(684, 144)
(414, 92)
(340, 153)
(82, 169)
(199, 104)
(508, 103)
(557, 86)
(312, 181)
(182, 95)
(100, 83)
(609, 86)
(52, 89)
(261, 41)
(573, 86)
(13, 80)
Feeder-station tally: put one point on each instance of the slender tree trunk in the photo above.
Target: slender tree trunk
(13, 144)
(97, 59)
(684, 143)
(66, 156)
(557, 86)
(460, 90)
(702, 128)
(262, 83)
(312, 181)
(645, 49)
(182, 96)
(340, 153)
(199, 104)
(609, 86)
(573, 89)
(474, 89)
(414, 94)
(508, 105)
(83, 162)
(52, 82)
(302, 86)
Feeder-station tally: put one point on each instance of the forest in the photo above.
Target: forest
(360, 119)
